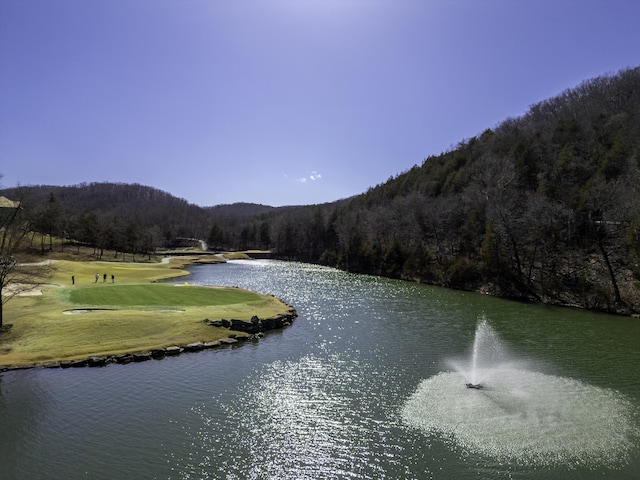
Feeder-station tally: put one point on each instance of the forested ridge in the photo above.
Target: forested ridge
(544, 207)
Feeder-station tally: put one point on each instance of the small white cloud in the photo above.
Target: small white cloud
(313, 176)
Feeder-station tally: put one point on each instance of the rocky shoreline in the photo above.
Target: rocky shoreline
(240, 331)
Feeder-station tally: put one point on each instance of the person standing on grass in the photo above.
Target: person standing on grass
(97, 277)
(104, 279)
(113, 279)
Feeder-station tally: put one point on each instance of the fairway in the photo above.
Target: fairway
(75, 318)
(158, 295)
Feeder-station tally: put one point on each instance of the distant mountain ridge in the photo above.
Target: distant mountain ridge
(116, 197)
(240, 209)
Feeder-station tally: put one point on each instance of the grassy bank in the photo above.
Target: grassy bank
(76, 318)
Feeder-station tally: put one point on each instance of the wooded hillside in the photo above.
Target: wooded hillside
(544, 207)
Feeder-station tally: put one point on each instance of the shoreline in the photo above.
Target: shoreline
(38, 337)
(257, 326)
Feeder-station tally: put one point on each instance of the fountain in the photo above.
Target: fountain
(488, 353)
(514, 414)
(474, 356)
(482, 333)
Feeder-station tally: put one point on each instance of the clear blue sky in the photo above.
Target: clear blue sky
(280, 102)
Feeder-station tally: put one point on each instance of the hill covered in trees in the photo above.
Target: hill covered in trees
(128, 218)
(543, 207)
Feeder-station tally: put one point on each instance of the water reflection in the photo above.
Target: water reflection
(24, 408)
(306, 419)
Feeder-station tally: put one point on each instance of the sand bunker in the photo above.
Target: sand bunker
(93, 310)
(22, 290)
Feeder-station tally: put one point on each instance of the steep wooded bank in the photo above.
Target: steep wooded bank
(544, 207)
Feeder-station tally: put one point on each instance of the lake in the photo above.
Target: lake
(368, 383)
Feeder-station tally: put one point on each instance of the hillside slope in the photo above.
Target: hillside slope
(544, 207)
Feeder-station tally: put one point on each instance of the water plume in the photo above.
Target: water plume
(494, 405)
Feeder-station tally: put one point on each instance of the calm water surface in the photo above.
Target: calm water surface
(335, 395)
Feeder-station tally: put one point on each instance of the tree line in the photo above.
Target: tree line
(125, 218)
(544, 207)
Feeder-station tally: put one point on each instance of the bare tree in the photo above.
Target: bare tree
(611, 207)
(16, 277)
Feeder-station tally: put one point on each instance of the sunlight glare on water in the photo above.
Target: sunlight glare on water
(300, 420)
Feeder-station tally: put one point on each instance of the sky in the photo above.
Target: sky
(280, 102)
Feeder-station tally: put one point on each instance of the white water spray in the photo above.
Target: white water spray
(514, 414)
(488, 355)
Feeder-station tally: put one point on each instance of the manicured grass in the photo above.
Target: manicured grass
(158, 295)
(74, 321)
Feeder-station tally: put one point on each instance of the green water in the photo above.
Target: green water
(362, 385)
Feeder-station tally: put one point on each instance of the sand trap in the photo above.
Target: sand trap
(23, 290)
(76, 311)
(86, 310)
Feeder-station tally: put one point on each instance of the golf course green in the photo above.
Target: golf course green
(158, 295)
(77, 313)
